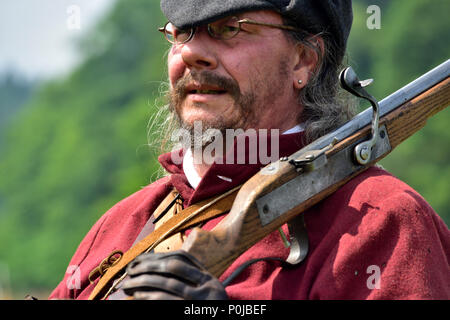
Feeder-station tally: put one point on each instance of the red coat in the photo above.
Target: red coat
(375, 224)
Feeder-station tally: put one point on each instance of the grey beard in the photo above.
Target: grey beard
(203, 135)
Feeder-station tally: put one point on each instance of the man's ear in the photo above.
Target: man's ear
(308, 58)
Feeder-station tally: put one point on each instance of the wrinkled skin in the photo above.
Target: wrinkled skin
(171, 276)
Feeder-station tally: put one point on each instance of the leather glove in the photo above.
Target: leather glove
(171, 275)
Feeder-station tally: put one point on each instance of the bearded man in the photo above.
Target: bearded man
(265, 65)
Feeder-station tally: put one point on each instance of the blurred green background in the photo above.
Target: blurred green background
(73, 146)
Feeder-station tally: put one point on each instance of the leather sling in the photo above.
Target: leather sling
(185, 219)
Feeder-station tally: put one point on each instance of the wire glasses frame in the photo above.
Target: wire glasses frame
(222, 30)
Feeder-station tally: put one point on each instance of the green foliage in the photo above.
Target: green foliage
(412, 40)
(80, 145)
(14, 93)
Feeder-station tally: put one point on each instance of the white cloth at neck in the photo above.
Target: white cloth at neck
(192, 175)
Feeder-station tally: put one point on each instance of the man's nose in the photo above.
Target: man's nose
(198, 53)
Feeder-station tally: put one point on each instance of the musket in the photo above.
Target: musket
(281, 191)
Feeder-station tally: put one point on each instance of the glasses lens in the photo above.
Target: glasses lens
(175, 35)
(224, 29)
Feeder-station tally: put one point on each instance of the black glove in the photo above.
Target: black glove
(171, 275)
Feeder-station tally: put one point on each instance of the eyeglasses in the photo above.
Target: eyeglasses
(224, 29)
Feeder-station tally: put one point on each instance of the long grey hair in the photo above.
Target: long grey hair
(326, 105)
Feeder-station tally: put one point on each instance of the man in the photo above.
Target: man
(266, 65)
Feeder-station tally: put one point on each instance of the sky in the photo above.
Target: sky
(37, 37)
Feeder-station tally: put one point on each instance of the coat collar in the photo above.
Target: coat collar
(224, 176)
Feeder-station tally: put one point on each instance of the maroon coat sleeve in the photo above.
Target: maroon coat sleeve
(117, 229)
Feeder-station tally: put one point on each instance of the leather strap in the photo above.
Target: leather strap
(175, 241)
(187, 218)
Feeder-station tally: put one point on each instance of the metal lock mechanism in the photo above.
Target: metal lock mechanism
(312, 160)
(349, 81)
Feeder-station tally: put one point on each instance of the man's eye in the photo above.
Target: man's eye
(224, 31)
(230, 28)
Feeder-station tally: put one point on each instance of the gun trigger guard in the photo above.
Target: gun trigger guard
(299, 243)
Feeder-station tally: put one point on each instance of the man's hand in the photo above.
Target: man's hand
(171, 275)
